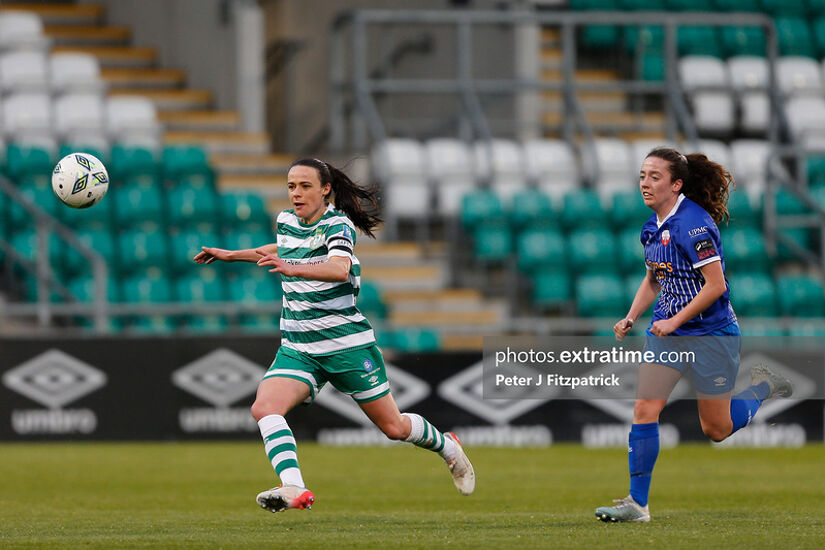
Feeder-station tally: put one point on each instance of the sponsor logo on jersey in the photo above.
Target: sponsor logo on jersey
(705, 249)
(698, 231)
(665, 237)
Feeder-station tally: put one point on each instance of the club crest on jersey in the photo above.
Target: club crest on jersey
(665, 237)
(368, 366)
(317, 239)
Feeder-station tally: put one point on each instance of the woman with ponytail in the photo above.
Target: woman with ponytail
(692, 317)
(324, 336)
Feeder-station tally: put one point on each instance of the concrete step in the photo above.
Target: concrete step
(589, 101)
(267, 164)
(550, 37)
(61, 14)
(269, 185)
(613, 122)
(140, 78)
(115, 56)
(83, 35)
(184, 99)
(582, 75)
(222, 142)
(489, 317)
(422, 276)
(226, 121)
(461, 342)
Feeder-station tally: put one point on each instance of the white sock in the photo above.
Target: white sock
(424, 435)
(279, 445)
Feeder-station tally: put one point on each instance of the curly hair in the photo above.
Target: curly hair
(705, 182)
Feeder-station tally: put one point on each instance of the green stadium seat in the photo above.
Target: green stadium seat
(242, 240)
(738, 5)
(24, 161)
(582, 208)
(244, 209)
(698, 40)
(787, 204)
(800, 296)
(592, 251)
(41, 196)
(744, 249)
(643, 5)
(541, 249)
(153, 324)
(691, 5)
(188, 165)
(743, 41)
(98, 218)
(742, 213)
(203, 285)
(800, 235)
(808, 328)
(816, 7)
(101, 155)
(759, 328)
(140, 250)
(600, 296)
(206, 324)
(492, 243)
(385, 339)
(532, 209)
(647, 38)
(631, 286)
(816, 168)
(148, 285)
(83, 288)
(551, 289)
(651, 67)
(99, 241)
(260, 323)
(629, 210)
(370, 301)
(134, 167)
(136, 206)
(597, 36)
(818, 28)
(795, 37)
(187, 244)
(24, 241)
(254, 286)
(189, 205)
(417, 340)
(785, 8)
(753, 295)
(479, 207)
(631, 251)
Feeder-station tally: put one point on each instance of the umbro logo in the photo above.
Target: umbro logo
(54, 379)
(220, 378)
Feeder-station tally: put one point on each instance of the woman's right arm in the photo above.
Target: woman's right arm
(209, 255)
(645, 296)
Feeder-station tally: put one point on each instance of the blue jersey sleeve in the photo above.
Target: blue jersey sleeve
(698, 240)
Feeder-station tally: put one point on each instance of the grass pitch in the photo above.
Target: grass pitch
(201, 495)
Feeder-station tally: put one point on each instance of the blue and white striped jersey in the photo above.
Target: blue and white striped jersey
(675, 250)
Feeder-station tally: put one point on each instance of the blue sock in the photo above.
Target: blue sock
(744, 405)
(643, 448)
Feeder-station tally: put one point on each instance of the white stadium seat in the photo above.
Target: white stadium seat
(22, 30)
(81, 119)
(133, 120)
(451, 171)
(501, 163)
(401, 167)
(712, 109)
(24, 71)
(799, 75)
(27, 119)
(551, 166)
(748, 166)
(749, 78)
(617, 166)
(75, 72)
(806, 119)
(715, 150)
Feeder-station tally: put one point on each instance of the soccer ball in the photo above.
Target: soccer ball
(80, 180)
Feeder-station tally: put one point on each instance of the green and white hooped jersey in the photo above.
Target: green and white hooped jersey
(320, 318)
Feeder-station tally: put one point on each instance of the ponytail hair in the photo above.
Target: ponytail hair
(705, 182)
(347, 196)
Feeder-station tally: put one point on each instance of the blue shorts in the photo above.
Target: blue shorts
(712, 359)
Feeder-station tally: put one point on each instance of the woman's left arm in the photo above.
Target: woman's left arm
(714, 287)
(334, 270)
